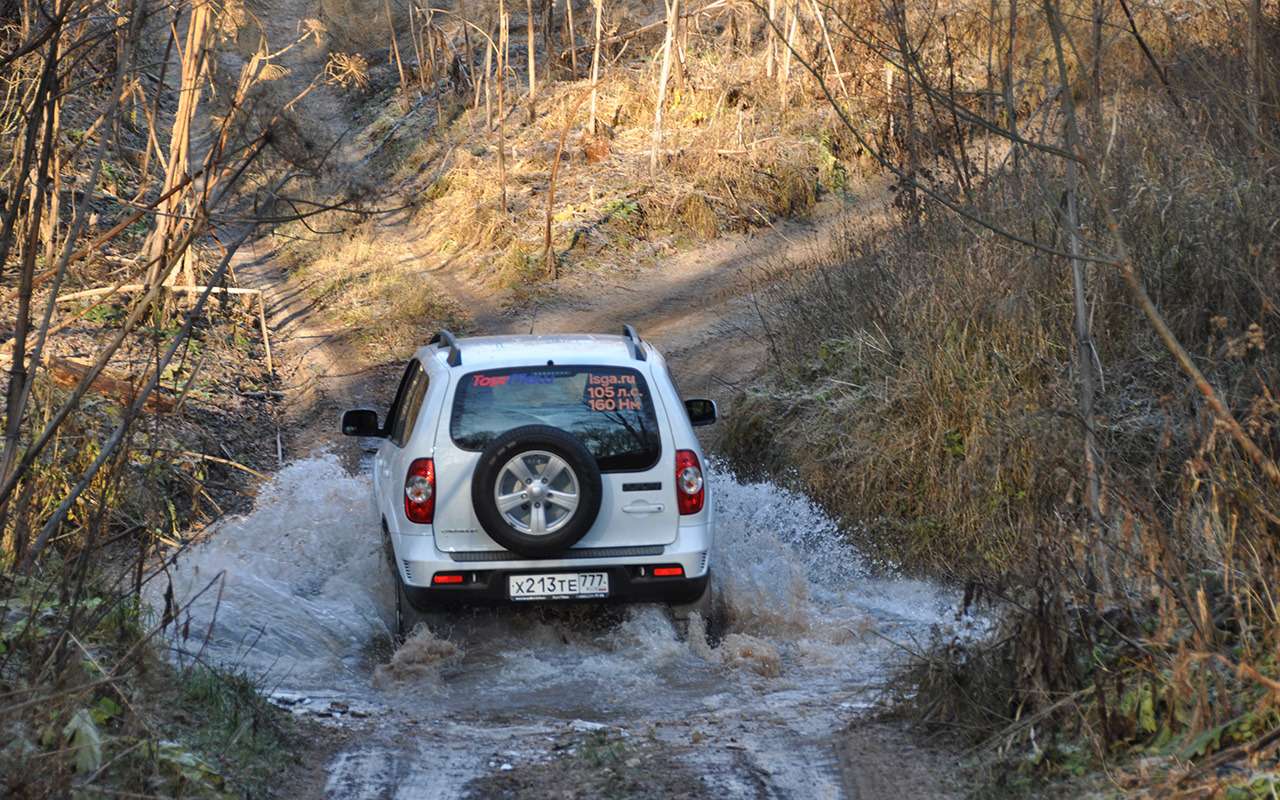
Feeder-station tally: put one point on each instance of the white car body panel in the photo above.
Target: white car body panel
(628, 519)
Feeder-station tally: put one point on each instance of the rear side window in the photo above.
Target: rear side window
(413, 390)
(609, 409)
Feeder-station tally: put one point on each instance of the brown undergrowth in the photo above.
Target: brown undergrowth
(925, 388)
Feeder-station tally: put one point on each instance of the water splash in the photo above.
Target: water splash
(419, 658)
(307, 596)
(300, 590)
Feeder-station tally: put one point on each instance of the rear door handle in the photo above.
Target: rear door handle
(643, 507)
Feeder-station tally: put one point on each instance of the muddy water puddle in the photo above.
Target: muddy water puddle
(297, 593)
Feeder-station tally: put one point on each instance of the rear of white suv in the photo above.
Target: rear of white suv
(539, 468)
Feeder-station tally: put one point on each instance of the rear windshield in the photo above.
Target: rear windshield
(609, 409)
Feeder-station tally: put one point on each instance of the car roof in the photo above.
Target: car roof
(490, 352)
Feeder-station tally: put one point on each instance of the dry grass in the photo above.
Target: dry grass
(733, 158)
(925, 387)
(731, 161)
(381, 294)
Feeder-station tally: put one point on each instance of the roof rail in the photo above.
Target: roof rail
(633, 339)
(455, 352)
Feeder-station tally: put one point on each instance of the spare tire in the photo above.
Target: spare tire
(536, 490)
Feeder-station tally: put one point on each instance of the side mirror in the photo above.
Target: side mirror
(701, 412)
(361, 422)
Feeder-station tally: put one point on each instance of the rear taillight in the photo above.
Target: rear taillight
(690, 491)
(420, 491)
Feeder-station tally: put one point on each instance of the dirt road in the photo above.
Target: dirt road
(570, 702)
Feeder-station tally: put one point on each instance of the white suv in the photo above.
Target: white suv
(534, 468)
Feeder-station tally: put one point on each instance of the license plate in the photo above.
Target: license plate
(558, 586)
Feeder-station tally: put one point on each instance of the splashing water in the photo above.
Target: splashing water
(306, 600)
(294, 590)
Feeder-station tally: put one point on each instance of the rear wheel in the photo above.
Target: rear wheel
(704, 607)
(408, 615)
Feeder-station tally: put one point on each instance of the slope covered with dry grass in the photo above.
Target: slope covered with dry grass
(740, 148)
(929, 384)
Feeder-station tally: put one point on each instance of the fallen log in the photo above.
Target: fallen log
(68, 372)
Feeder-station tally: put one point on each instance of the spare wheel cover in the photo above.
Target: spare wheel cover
(536, 490)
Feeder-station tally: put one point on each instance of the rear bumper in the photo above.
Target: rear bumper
(631, 578)
(626, 585)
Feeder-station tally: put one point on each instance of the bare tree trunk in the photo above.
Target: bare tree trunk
(41, 105)
(1086, 357)
(913, 158)
(533, 60)
(831, 53)
(784, 75)
(1096, 577)
(415, 36)
(429, 45)
(1095, 98)
(770, 39)
(487, 78)
(504, 30)
(673, 13)
(595, 63)
(1129, 271)
(548, 31)
(890, 89)
(466, 40)
(49, 231)
(1010, 106)
(548, 253)
(193, 63)
(681, 44)
(990, 94)
(573, 38)
(1256, 55)
(395, 52)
